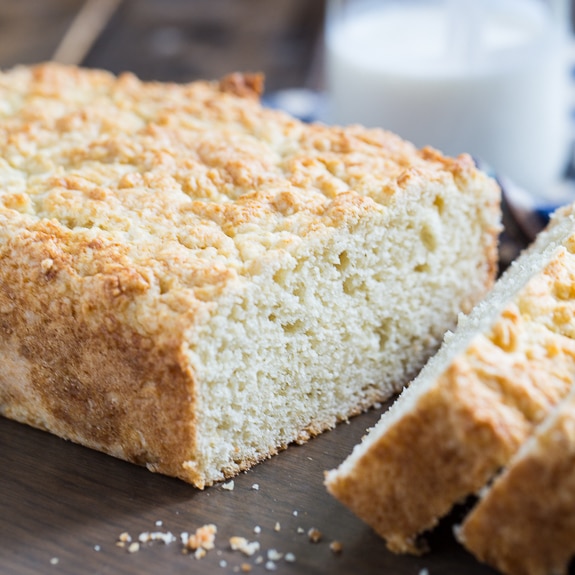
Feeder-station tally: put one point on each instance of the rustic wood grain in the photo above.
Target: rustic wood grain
(185, 40)
(174, 40)
(30, 30)
(89, 23)
(60, 500)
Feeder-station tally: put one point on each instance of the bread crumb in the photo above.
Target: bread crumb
(259, 560)
(274, 555)
(244, 546)
(125, 537)
(424, 571)
(314, 535)
(289, 557)
(203, 538)
(257, 529)
(159, 523)
(223, 563)
(97, 548)
(229, 486)
(200, 553)
(166, 537)
(255, 487)
(271, 566)
(277, 526)
(54, 561)
(295, 513)
(134, 547)
(300, 530)
(245, 567)
(336, 546)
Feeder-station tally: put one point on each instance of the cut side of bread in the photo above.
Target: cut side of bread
(524, 523)
(191, 282)
(468, 411)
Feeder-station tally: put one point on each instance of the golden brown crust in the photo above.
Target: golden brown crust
(82, 372)
(471, 419)
(524, 525)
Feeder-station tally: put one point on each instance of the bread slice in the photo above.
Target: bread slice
(524, 523)
(191, 282)
(468, 411)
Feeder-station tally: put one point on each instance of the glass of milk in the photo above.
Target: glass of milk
(486, 77)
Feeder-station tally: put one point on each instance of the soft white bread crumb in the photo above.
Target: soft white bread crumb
(509, 362)
(191, 282)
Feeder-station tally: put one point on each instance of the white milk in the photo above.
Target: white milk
(487, 78)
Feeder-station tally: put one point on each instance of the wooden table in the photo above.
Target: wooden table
(174, 40)
(63, 508)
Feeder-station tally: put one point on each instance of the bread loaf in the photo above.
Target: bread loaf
(191, 282)
(472, 406)
(524, 524)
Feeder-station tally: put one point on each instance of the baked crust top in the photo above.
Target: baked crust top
(181, 189)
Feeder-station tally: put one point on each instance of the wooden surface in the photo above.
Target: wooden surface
(176, 40)
(59, 501)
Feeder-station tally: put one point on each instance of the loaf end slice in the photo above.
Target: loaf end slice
(508, 363)
(524, 523)
(191, 282)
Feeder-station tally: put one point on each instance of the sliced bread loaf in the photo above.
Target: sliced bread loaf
(509, 362)
(524, 523)
(191, 282)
